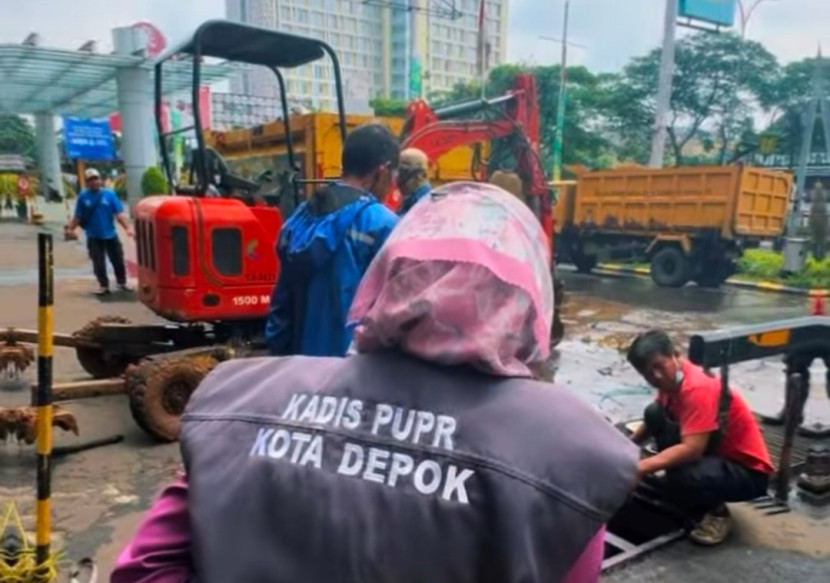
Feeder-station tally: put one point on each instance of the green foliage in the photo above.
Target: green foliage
(154, 182)
(17, 136)
(763, 264)
(584, 140)
(388, 107)
(719, 82)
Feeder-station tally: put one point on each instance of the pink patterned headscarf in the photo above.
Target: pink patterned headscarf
(463, 279)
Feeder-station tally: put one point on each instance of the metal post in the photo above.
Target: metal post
(43, 403)
(560, 109)
(664, 89)
(795, 383)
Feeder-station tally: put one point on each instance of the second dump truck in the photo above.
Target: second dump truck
(690, 224)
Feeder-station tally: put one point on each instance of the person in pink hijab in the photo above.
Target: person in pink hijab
(440, 457)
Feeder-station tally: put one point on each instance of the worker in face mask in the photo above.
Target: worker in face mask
(413, 180)
(708, 441)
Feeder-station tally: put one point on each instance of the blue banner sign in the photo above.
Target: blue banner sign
(88, 139)
(720, 12)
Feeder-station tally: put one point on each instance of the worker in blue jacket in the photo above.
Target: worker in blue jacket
(326, 246)
(413, 178)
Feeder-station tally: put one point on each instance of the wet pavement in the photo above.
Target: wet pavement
(99, 494)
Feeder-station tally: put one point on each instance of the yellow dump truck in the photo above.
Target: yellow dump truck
(690, 223)
(317, 145)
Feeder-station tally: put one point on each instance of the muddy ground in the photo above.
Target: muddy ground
(99, 495)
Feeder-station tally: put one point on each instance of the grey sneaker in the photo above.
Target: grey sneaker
(713, 529)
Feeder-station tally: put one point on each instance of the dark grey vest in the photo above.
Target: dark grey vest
(384, 469)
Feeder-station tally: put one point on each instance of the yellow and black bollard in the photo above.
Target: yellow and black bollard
(43, 402)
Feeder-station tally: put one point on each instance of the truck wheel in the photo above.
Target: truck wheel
(711, 275)
(584, 263)
(670, 267)
(557, 332)
(98, 363)
(159, 390)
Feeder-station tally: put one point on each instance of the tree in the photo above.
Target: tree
(388, 107)
(154, 182)
(719, 82)
(17, 136)
(584, 141)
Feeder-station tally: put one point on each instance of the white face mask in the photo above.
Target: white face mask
(678, 375)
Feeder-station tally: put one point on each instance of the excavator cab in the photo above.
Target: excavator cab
(207, 254)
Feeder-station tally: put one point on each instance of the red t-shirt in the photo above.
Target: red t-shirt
(695, 407)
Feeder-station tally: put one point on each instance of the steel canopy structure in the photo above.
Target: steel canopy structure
(79, 83)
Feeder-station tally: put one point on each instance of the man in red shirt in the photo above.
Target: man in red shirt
(707, 462)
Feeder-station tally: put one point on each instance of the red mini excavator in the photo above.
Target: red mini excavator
(206, 256)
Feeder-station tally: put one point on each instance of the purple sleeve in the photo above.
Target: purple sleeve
(589, 564)
(160, 550)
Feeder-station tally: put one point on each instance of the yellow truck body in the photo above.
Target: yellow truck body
(317, 144)
(732, 200)
(707, 214)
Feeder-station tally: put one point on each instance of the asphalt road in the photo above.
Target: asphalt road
(99, 495)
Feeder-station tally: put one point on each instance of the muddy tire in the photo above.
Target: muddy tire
(159, 390)
(95, 361)
(670, 267)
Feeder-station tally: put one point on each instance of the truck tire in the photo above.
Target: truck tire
(712, 274)
(670, 267)
(159, 390)
(584, 263)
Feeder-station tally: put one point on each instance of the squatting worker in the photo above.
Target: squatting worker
(327, 244)
(709, 443)
(413, 178)
(429, 455)
(96, 211)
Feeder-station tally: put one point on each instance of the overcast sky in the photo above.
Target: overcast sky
(610, 30)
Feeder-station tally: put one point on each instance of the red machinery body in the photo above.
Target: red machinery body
(203, 259)
(436, 132)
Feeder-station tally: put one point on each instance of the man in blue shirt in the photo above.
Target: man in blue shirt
(96, 211)
(413, 180)
(326, 246)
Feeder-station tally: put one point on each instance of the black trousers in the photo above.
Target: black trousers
(704, 485)
(101, 249)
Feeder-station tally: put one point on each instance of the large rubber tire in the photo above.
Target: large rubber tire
(670, 267)
(712, 275)
(95, 361)
(584, 263)
(159, 390)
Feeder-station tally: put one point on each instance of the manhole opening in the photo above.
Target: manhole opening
(642, 525)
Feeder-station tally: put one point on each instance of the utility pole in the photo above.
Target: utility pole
(560, 107)
(664, 88)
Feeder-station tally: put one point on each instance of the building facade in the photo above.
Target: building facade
(399, 49)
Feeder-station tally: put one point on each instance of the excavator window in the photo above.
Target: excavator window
(181, 250)
(226, 250)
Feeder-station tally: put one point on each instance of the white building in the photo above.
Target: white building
(380, 44)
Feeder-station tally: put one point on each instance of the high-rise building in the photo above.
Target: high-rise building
(392, 48)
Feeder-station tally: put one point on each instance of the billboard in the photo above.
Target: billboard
(88, 139)
(720, 12)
